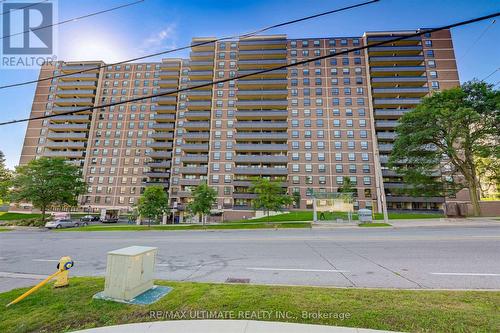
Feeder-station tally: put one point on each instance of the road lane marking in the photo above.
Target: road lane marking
(468, 274)
(297, 270)
(22, 276)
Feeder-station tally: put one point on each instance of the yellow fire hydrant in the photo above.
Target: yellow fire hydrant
(64, 265)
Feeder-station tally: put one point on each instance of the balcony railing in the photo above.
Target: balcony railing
(260, 171)
(261, 159)
(160, 144)
(256, 114)
(162, 135)
(66, 135)
(195, 146)
(194, 158)
(72, 144)
(261, 124)
(262, 135)
(196, 125)
(193, 170)
(261, 147)
(63, 153)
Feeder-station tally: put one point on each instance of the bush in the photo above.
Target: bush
(35, 222)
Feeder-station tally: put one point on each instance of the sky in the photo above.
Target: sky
(155, 25)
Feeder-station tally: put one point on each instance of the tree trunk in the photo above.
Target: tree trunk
(474, 198)
(203, 219)
(43, 208)
(268, 216)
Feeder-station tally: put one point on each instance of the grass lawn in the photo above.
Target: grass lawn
(18, 216)
(133, 227)
(72, 308)
(374, 225)
(308, 216)
(4, 229)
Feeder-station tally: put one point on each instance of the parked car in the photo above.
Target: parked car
(90, 218)
(64, 223)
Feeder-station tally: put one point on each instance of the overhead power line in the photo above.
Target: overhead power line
(418, 33)
(477, 39)
(489, 75)
(73, 19)
(243, 36)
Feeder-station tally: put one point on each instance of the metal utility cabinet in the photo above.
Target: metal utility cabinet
(129, 272)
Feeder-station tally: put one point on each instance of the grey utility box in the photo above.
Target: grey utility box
(129, 272)
(365, 215)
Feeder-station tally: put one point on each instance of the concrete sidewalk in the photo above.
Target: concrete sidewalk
(225, 326)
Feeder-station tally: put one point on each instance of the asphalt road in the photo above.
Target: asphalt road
(454, 257)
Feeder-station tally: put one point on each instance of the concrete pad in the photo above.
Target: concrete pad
(224, 326)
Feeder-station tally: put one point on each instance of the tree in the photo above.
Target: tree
(48, 181)
(204, 197)
(488, 173)
(5, 179)
(153, 203)
(270, 196)
(439, 142)
(347, 190)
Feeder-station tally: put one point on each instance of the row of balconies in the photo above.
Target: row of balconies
(193, 170)
(396, 101)
(159, 126)
(72, 118)
(74, 101)
(261, 124)
(260, 171)
(386, 135)
(194, 158)
(157, 174)
(165, 117)
(260, 63)
(257, 114)
(248, 183)
(386, 124)
(407, 60)
(166, 109)
(63, 153)
(66, 144)
(262, 44)
(162, 164)
(194, 146)
(261, 147)
(196, 135)
(279, 73)
(162, 135)
(262, 135)
(196, 125)
(400, 91)
(160, 144)
(58, 109)
(66, 135)
(77, 84)
(197, 115)
(75, 127)
(80, 76)
(260, 54)
(82, 67)
(261, 159)
(160, 154)
(390, 50)
(259, 94)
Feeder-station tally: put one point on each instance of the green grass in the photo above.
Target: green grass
(308, 216)
(4, 229)
(72, 308)
(173, 227)
(374, 225)
(18, 216)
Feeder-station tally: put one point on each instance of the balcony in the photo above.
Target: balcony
(199, 105)
(69, 127)
(260, 63)
(390, 113)
(383, 124)
(252, 83)
(165, 117)
(160, 144)
(390, 198)
(72, 117)
(242, 195)
(260, 147)
(74, 101)
(391, 81)
(265, 136)
(260, 171)
(169, 83)
(386, 135)
(155, 174)
(196, 136)
(202, 55)
(63, 153)
(391, 70)
(200, 75)
(78, 68)
(262, 54)
(258, 93)
(77, 84)
(278, 73)
(70, 144)
(395, 92)
(156, 182)
(75, 93)
(402, 60)
(168, 100)
(189, 182)
(183, 194)
(194, 158)
(256, 114)
(67, 135)
(171, 65)
(388, 102)
(261, 124)
(197, 115)
(385, 147)
(80, 77)
(166, 109)
(160, 126)
(194, 170)
(195, 147)
(160, 154)
(372, 39)
(201, 65)
(207, 84)
(163, 164)
(261, 44)
(199, 94)
(162, 135)
(196, 125)
(262, 104)
(169, 74)
(390, 50)
(261, 159)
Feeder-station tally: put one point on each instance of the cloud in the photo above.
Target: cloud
(162, 40)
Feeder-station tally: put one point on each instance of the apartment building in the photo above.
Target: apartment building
(306, 126)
